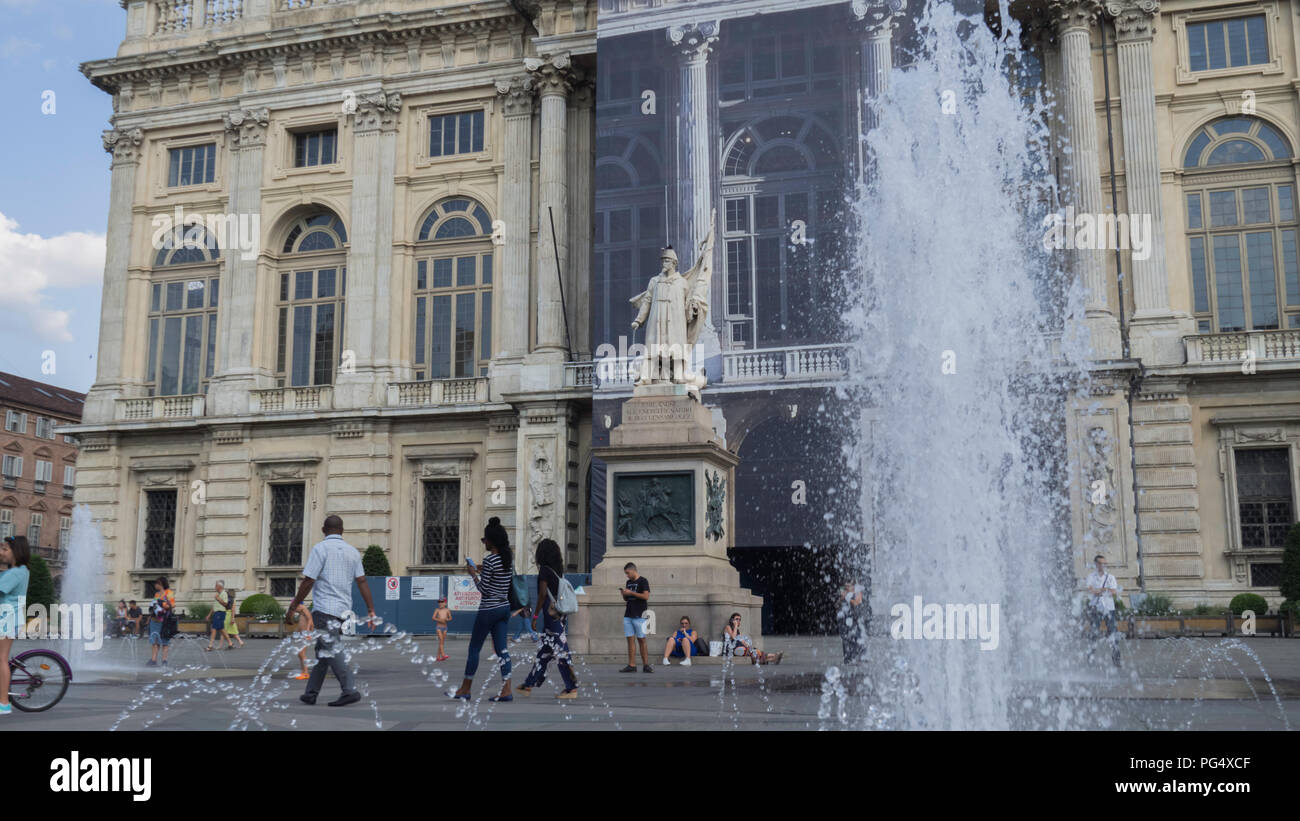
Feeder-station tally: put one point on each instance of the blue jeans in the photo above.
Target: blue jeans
(555, 645)
(494, 621)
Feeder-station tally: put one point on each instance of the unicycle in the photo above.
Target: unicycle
(39, 680)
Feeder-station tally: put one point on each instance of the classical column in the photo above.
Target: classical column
(1074, 20)
(510, 331)
(877, 20)
(582, 135)
(554, 77)
(111, 381)
(695, 195)
(234, 373)
(363, 378)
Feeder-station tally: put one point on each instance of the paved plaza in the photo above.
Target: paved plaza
(1214, 684)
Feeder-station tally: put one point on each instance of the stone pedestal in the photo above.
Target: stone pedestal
(668, 491)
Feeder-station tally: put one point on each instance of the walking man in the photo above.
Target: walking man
(331, 569)
(636, 593)
(1101, 607)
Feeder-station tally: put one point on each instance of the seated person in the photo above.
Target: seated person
(682, 643)
(737, 643)
(120, 619)
(135, 618)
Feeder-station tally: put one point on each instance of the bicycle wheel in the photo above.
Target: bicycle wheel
(40, 680)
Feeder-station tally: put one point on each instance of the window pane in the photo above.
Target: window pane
(1256, 206)
(485, 326)
(210, 167)
(442, 273)
(763, 63)
(487, 269)
(1194, 211)
(193, 347)
(421, 275)
(169, 365)
(738, 277)
(435, 136)
(477, 117)
(155, 303)
(327, 147)
(767, 213)
(1196, 149)
(768, 307)
(620, 225)
(1286, 203)
(419, 330)
(440, 337)
(324, 372)
(302, 284)
(1200, 290)
(281, 349)
(1223, 208)
(212, 292)
(465, 270)
(212, 345)
(1196, 46)
(1237, 42)
(1263, 280)
(1289, 267)
(792, 55)
(738, 215)
(1257, 31)
(1236, 151)
(464, 335)
(1216, 45)
(287, 509)
(1227, 284)
(175, 295)
(301, 345)
(325, 282)
(194, 290)
(153, 349)
(174, 169)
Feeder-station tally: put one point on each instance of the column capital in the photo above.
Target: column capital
(516, 95)
(376, 111)
(693, 41)
(877, 18)
(553, 74)
(1067, 15)
(123, 144)
(1134, 19)
(247, 127)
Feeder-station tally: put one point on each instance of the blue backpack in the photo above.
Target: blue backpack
(518, 592)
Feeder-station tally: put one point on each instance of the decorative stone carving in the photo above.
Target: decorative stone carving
(880, 16)
(516, 95)
(553, 74)
(1244, 435)
(1103, 516)
(1073, 14)
(694, 41)
(654, 508)
(247, 127)
(123, 145)
(541, 491)
(1134, 19)
(716, 499)
(377, 111)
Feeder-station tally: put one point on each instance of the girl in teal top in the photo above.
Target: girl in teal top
(14, 555)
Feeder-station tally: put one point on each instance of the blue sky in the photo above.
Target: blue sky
(53, 185)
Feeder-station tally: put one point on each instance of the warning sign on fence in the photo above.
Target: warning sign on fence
(463, 594)
(392, 588)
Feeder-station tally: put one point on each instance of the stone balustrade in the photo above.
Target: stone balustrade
(433, 392)
(1266, 346)
(160, 407)
(290, 400)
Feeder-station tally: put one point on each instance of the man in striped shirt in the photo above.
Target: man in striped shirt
(331, 569)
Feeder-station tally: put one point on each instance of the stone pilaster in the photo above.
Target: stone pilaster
(546, 501)
(235, 373)
(111, 379)
(1074, 20)
(370, 260)
(511, 332)
(695, 193)
(1156, 333)
(582, 135)
(554, 78)
(877, 20)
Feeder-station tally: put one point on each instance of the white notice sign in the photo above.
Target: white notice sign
(426, 588)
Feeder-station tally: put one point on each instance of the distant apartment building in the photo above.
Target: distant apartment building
(39, 467)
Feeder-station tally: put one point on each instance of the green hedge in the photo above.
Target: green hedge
(1155, 604)
(375, 562)
(1291, 565)
(1248, 601)
(198, 611)
(261, 605)
(40, 584)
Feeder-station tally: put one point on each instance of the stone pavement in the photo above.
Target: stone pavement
(1166, 684)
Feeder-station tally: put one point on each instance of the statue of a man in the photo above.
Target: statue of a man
(674, 308)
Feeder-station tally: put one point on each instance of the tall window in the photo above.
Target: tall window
(286, 524)
(44, 472)
(44, 427)
(453, 291)
(782, 196)
(34, 529)
(183, 313)
(6, 522)
(460, 133)
(15, 422)
(1264, 496)
(159, 528)
(192, 165)
(65, 531)
(69, 476)
(440, 540)
(1241, 227)
(313, 284)
(13, 466)
(315, 147)
(1240, 41)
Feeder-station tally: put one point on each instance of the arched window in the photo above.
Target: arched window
(183, 312)
(453, 291)
(782, 203)
(1239, 192)
(310, 308)
(627, 162)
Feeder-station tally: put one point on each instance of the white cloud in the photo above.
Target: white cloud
(33, 268)
(14, 48)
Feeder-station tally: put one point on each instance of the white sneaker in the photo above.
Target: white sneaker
(667, 662)
(686, 663)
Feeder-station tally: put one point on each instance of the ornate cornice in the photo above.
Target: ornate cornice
(694, 41)
(1134, 19)
(376, 111)
(123, 145)
(878, 17)
(247, 126)
(1073, 14)
(553, 74)
(516, 95)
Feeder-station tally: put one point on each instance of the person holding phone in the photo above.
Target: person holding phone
(636, 592)
(493, 581)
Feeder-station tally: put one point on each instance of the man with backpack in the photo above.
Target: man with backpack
(555, 603)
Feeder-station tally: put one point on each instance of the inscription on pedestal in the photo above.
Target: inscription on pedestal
(654, 508)
(657, 412)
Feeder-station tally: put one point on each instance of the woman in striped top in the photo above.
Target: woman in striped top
(493, 581)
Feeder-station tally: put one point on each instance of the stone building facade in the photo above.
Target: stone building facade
(346, 243)
(38, 477)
